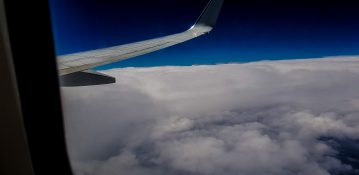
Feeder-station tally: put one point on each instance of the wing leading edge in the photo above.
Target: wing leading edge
(72, 63)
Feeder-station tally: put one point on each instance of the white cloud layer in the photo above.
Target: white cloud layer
(263, 118)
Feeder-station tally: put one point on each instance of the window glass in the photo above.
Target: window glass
(272, 89)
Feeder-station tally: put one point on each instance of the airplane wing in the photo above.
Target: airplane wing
(74, 66)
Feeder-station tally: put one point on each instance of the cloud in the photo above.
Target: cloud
(265, 118)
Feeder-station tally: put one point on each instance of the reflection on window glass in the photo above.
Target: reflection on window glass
(267, 88)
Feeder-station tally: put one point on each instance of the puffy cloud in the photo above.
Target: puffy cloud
(270, 118)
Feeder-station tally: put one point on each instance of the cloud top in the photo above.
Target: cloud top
(265, 118)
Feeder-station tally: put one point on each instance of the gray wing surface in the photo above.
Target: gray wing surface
(77, 62)
(85, 60)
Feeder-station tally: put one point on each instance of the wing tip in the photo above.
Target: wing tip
(210, 14)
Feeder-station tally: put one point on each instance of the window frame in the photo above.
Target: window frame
(33, 54)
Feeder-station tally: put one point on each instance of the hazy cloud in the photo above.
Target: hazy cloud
(270, 118)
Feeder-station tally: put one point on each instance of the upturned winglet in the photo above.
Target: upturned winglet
(210, 14)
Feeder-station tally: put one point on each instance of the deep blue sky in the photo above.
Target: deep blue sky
(248, 30)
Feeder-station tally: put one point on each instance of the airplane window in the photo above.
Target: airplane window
(209, 87)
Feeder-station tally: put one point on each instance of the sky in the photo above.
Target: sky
(247, 30)
(266, 118)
